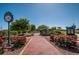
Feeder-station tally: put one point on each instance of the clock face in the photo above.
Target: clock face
(8, 18)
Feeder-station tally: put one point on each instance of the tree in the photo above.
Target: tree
(53, 28)
(33, 28)
(59, 28)
(20, 25)
(43, 29)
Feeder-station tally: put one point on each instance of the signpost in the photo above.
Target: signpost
(8, 17)
(70, 30)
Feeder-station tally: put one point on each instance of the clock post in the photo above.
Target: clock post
(9, 39)
(8, 17)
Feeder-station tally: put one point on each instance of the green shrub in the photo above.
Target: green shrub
(21, 40)
(77, 32)
(44, 32)
(4, 33)
(17, 45)
(14, 32)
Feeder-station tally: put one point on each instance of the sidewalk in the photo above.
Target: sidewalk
(39, 46)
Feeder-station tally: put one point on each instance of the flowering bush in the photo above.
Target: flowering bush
(1, 48)
(1, 41)
(19, 41)
(67, 41)
(16, 40)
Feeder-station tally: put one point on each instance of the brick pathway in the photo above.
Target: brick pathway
(38, 45)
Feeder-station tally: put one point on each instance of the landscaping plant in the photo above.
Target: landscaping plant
(21, 40)
(66, 41)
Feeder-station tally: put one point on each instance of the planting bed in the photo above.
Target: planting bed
(62, 50)
(18, 42)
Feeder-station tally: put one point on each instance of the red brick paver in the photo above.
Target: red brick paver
(38, 45)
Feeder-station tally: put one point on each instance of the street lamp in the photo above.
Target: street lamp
(8, 17)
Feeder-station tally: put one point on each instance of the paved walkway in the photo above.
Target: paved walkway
(38, 45)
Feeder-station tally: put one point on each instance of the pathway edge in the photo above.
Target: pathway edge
(25, 47)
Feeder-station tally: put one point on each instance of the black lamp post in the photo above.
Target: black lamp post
(8, 17)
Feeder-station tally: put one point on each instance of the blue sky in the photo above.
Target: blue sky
(60, 15)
